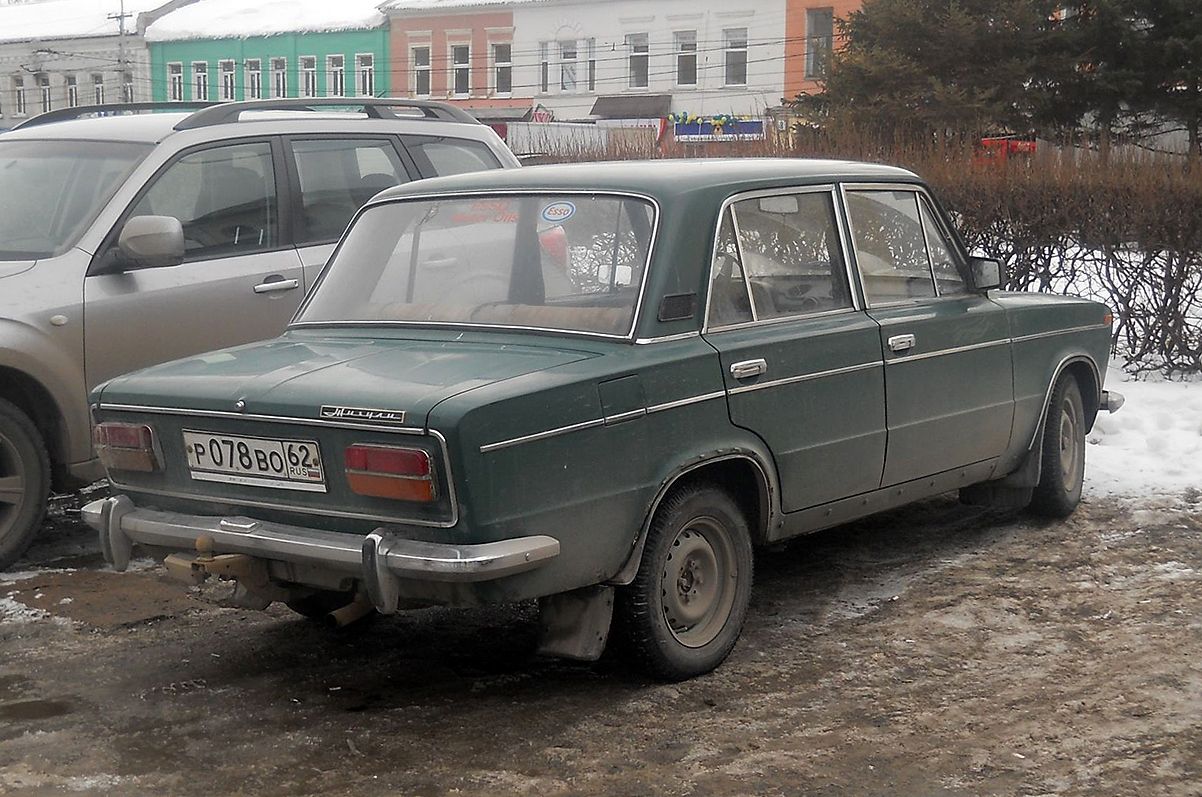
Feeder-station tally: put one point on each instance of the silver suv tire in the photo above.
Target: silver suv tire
(24, 482)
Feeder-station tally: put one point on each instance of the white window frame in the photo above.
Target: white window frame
(638, 48)
(365, 74)
(498, 66)
(254, 79)
(569, 62)
(422, 70)
(127, 87)
(71, 83)
(279, 76)
(684, 42)
(21, 109)
(200, 80)
(43, 83)
(731, 46)
(455, 67)
(229, 79)
(818, 48)
(544, 67)
(591, 48)
(308, 78)
(98, 88)
(335, 75)
(175, 81)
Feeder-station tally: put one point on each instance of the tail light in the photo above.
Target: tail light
(126, 446)
(402, 474)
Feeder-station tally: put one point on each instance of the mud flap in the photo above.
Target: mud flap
(575, 625)
(114, 545)
(1013, 491)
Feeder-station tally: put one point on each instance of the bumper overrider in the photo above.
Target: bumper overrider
(381, 559)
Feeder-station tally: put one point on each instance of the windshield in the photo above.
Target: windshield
(51, 190)
(547, 261)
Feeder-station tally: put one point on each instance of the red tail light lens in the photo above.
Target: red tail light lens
(401, 474)
(126, 446)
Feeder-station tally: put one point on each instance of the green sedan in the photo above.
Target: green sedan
(605, 387)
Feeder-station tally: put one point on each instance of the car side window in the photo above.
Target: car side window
(337, 177)
(890, 245)
(224, 198)
(943, 260)
(442, 156)
(729, 302)
(791, 254)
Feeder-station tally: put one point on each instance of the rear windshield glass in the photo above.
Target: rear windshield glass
(51, 190)
(546, 261)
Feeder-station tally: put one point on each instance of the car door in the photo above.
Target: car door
(336, 175)
(948, 369)
(801, 362)
(239, 282)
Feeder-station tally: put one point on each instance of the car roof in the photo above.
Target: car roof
(147, 128)
(662, 179)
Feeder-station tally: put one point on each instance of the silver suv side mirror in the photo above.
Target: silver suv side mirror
(151, 242)
(986, 273)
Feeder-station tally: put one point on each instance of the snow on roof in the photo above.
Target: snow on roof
(68, 19)
(222, 19)
(438, 5)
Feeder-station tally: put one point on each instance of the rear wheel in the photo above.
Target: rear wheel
(1063, 467)
(24, 482)
(682, 614)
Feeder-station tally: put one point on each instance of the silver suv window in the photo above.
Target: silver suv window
(337, 177)
(50, 191)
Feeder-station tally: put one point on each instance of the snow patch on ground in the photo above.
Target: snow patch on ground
(1151, 449)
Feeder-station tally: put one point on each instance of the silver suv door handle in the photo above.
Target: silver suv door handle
(748, 368)
(271, 286)
(899, 343)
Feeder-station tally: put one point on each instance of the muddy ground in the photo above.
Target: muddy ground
(938, 650)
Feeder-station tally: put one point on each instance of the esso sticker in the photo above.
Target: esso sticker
(559, 212)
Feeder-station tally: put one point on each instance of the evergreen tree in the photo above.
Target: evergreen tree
(1169, 40)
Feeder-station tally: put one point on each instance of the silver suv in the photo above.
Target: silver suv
(128, 240)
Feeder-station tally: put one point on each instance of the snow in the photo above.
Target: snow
(1150, 450)
(68, 19)
(220, 19)
(437, 5)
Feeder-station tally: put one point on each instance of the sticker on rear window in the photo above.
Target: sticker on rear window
(559, 212)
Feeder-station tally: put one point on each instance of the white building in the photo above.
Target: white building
(629, 60)
(68, 53)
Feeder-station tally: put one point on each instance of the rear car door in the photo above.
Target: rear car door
(801, 362)
(239, 281)
(948, 369)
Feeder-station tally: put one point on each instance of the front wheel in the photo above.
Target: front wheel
(24, 482)
(1063, 467)
(682, 614)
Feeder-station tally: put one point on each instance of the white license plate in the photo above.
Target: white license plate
(255, 461)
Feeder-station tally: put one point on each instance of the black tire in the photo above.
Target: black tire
(316, 605)
(1063, 452)
(682, 614)
(24, 482)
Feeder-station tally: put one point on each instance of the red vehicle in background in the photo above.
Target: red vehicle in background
(1003, 149)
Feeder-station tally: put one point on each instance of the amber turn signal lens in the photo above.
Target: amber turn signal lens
(126, 446)
(399, 474)
(394, 487)
(1108, 319)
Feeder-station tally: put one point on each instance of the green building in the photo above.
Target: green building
(225, 50)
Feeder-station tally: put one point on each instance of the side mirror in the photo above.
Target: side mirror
(149, 242)
(986, 273)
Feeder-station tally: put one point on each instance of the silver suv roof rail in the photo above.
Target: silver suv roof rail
(110, 109)
(372, 107)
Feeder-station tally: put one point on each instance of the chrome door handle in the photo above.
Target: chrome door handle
(271, 286)
(899, 343)
(748, 368)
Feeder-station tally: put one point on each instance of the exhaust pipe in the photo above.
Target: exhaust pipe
(354, 611)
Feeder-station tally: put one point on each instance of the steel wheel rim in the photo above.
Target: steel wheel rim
(1069, 445)
(12, 486)
(698, 582)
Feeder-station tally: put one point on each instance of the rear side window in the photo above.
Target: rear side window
(337, 177)
(224, 197)
(441, 156)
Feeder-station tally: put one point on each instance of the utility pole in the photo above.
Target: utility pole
(121, 16)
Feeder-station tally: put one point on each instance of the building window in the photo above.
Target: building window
(639, 57)
(544, 68)
(736, 56)
(44, 92)
(98, 89)
(461, 69)
(686, 58)
(365, 67)
(228, 81)
(336, 75)
(19, 96)
(127, 86)
(254, 79)
(72, 91)
(421, 71)
(175, 82)
(502, 66)
(308, 66)
(279, 77)
(820, 37)
(592, 64)
(200, 80)
(567, 65)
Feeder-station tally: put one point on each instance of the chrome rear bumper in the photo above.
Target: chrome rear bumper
(1111, 401)
(380, 559)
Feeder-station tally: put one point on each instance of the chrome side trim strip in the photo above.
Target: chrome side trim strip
(625, 416)
(1055, 332)
(671, 405)
(668, 338)
(266, 418)
(575, 427)
(905, 358)
(805, 377)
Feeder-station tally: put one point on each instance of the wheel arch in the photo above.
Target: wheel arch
(754, 487)
(1089, 378)
(30, 396)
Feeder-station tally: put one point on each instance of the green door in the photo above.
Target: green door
(948, 369)
(802, 365)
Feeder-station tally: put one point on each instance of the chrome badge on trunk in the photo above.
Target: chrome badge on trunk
(362, 414)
